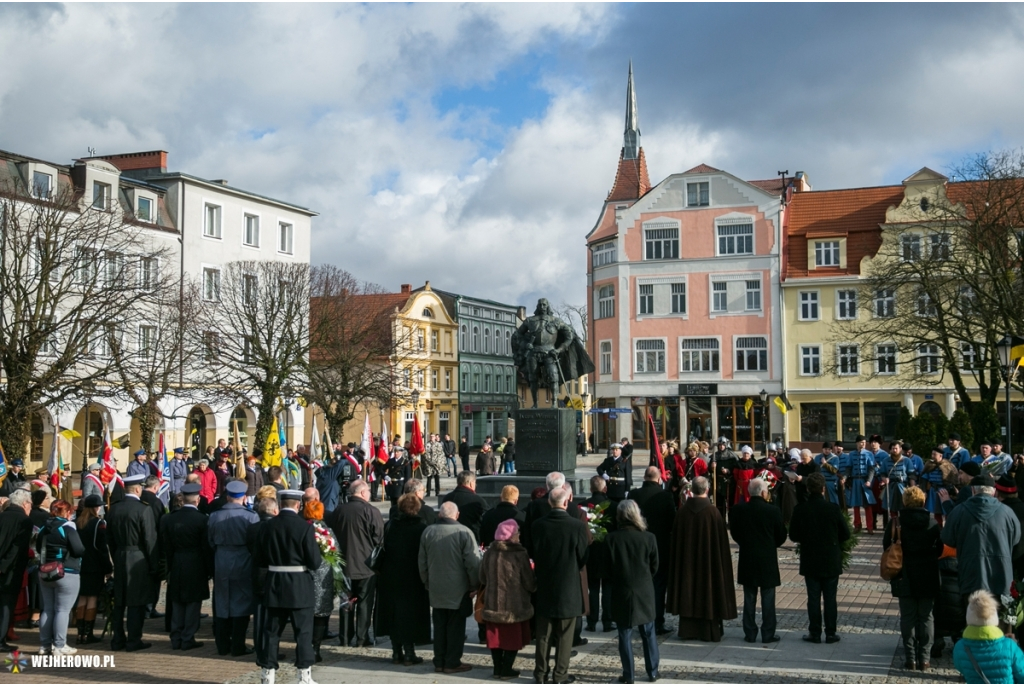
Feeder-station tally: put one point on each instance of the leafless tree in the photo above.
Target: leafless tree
(69, 276)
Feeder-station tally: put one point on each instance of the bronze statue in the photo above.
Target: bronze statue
(548, 352)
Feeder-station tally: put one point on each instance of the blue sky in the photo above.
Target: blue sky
(472, 145)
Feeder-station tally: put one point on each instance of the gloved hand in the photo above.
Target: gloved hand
(605, 476)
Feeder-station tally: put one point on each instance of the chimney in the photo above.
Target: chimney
(406, 289)
(426, 285)
(220, 181)
(154, 162)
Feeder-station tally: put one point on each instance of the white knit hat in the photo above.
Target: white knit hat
(982, 609)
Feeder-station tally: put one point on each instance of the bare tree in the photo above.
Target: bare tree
(253, 328)
(69, 274)
(576, 316)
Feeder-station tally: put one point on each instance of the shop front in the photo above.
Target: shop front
(482, 420)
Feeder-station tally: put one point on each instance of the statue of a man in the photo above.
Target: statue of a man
(548, 352)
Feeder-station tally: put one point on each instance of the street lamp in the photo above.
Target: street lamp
(764, 417)
(1005, 347)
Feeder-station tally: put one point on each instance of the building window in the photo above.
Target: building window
(250, 290)
(145, 210)
(48, 347)
(211, 227)
(435, 343)
(508, 382)
(881, 418)
(487, 379)
(928, 360)
(699, 354)
(606, 357)
(476, 378)
(211, 345)
(508, 343)
(817, 422)
(421, 343)
(848, 358)
(809, 306)
(885, 303)
(444, 419)
(752, 353)
(211, 285)
(926, 305)
(407, 378)
(487, 340)
(147, 341)
(697, 194)
(810, 360)
(736, 239)
(885, 359)
(148, 273)
(846, 304)
(604, 253)
(286, 233)
(113, 268)
(646, 299)
(251, 235)
(966, 299)
(826, 253)
(465, 382)
(433, 379)
(462, 338)
(447, 379)
(650, 356)
(719, 297)
(428, 313)
(910, 247)
(753, 296)
(968, 356)
(100, 196)
(662, 243)
(476, 338)
(678, 298)
(606, 302)
(940, 246)
(421, 377)
(410, 422)
(42, 185)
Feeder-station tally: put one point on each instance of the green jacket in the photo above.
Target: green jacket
(449, 563)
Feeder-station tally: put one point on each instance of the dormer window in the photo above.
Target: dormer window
(697, 194)
(145, 209)
(100, 196)
(925, 204)
(42, 185)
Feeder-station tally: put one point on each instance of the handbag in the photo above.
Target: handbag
(478, 605)
(50, 571)
(891, 564)
(376, 559)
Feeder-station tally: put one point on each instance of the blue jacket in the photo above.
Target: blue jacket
(983, 531)
(959, 457)
(998, 657)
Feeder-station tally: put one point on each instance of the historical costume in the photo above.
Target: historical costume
(742, 474)
(860, 472)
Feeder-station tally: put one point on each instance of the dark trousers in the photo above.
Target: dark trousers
(136, 618)
(767, 613)
(359, 620)
(600, 602)
(465, 462)
(816, 588)
(184, 622)
(449, 637)
(557, 633)
(302, 622)
(7, 603)
(917, 627)
(437, 483)
(503, 660)
(660, 589)
(259, 631)
(229, 634)
(651, 655)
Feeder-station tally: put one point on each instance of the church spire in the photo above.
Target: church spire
(631, 137)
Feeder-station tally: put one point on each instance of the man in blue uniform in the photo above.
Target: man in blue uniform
(232, 571)
(828, 465)
(894, 471)
(860, 472)
(177, 471)
(955, 453)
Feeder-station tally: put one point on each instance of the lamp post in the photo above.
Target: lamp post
(764, 421)
(1005, 347)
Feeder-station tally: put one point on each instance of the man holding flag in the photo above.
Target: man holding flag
(327, 476)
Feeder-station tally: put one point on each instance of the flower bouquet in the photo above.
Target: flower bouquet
(598, 519)
(328, 545)
(1011, 609)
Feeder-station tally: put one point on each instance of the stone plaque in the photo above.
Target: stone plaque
(545, 441)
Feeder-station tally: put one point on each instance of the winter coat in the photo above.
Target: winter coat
(758, 529)
(359, 527)
(949, 609)
(983, 532)
(659, 509)
(999, 657)
(508, 455)
(232, 563)
(560, 550)
(486, 465)
(433, 459)
(62, 544)
(403, 606)
(919, 536)
(207, 483)
(632, 563)
(819, 528)
(508, 580)
(323, 580)
(492, 518)
(449, 563)
(471, 508)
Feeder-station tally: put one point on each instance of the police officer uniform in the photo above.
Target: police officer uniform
(178, 471)
(617, 471)
(186, 548)
(232, 571)
(397, 470)
(287, 548)
(132, 540)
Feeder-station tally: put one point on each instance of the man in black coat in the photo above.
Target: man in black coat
(132, 540)
(427, 513)
(539, 508)
(757, 528)
(471, 505)
(359, 528)
(15, 535)
(189, 560)
(598, 584)
(287, 549)
(819, 528)
(506, 509)
(617, 470)
(15, 477)
(156, 507)
(464, 453)
(659, 510)
(560, 544)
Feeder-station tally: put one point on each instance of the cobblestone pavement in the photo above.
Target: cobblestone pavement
(869, 652)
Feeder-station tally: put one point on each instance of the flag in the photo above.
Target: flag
(747, 406)
(281, 437)
(366, 442)
(314, 444)
(782, 403)
(416, 445)
(327, 449)
(122, 442)
(163, 468)
(657, 448)
(382, 448)
(108, 474)
(54, 467)
(69, 433)
(272, 448)
(239, 462)
(3, 465)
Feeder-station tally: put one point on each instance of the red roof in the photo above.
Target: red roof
(631, 179)
(702, 169)
(770, 185)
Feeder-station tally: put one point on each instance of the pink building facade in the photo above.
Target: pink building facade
(683, 285)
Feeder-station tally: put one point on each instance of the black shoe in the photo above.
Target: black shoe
(116, 647)
(223, 652)
(245, 652)
(816, 639)
(590, 627)
(7, 647)
(331, 635)
(773, 638)
(831, 639)
(176, 646)
(653, 677)
(412, 661)
(749, 639)
(623, 679)
(156, 614)
(662, 631)
(139, 647)
(582, 641)
(191, 644)
(568, 679)
(204, 616)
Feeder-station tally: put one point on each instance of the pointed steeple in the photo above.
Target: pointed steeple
(631, 137)
(631, 179)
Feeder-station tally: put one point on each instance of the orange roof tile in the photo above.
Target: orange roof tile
(770, 185)
(631, 179)
(606, 226)
(702, 169)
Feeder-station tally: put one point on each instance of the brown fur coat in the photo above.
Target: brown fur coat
(508, 580)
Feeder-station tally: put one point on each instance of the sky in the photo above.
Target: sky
(473, 145)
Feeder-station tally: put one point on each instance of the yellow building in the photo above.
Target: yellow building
(841, 383)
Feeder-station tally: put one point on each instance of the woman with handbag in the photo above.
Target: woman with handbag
(507, 581)
(96, 566)
(917, 584)
(403, 605)
(60, 553)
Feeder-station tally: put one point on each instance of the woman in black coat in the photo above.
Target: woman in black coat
(403, 605)
(632, 558)
(96, 566)
(917, 586)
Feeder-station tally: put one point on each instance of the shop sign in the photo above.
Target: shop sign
(698, 389)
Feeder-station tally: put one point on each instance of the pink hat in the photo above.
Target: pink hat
(506, 529)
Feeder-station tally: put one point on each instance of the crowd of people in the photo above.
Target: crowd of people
(296, 542)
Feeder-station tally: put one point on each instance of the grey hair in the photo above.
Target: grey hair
(449, 510)
(700, 486)
(204, 462)
(151, 481)
(554, 480)
(267, 505)
(414, 485)
(466, 478)
(558, 497)
(628, 512)
(983, 490)
(806, 453)
(757, 487)
(357, 486)
(20, 498)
